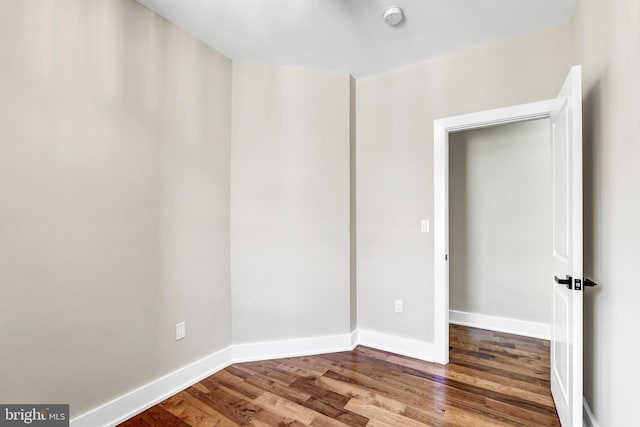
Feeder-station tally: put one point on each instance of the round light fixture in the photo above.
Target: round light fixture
(393, 16)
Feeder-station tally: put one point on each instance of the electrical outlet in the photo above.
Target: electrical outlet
(399, 308)
(424, 225)
(181, 331)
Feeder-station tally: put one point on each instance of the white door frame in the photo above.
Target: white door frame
(442, 129)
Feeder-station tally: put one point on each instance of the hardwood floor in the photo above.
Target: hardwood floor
(493, 379)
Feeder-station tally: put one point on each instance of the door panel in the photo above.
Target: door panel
(561, 182)
(560, 343)
(566, 345)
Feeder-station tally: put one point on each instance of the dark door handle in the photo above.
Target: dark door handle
(566, 282)
(589, 282)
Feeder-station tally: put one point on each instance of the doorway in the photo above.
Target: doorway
(500, 228)
(442, 130)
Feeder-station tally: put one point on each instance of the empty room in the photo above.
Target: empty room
(319, 212)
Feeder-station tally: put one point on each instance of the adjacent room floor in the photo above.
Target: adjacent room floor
(493, 379)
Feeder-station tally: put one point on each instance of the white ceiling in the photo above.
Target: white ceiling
(349, 35)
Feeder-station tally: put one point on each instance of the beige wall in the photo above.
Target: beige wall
(290, 209)
(395, 162)
(606, 41)
(500, 221)
(114, 200)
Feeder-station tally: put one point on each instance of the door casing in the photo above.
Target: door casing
(442, 129)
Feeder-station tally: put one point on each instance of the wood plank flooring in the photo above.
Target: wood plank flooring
(493, 379)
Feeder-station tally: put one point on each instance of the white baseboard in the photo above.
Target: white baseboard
(400, 345)
(291, 348)
(588, 420)
(136, 401)
(354, 339)
(142, 398)
(501, 324)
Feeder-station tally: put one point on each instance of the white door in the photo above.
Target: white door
(566, 336)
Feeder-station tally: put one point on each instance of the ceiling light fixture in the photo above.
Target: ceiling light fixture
(393, 16)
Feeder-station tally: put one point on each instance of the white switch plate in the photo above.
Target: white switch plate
(181, 331)
(399, 308)
(424, 225)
